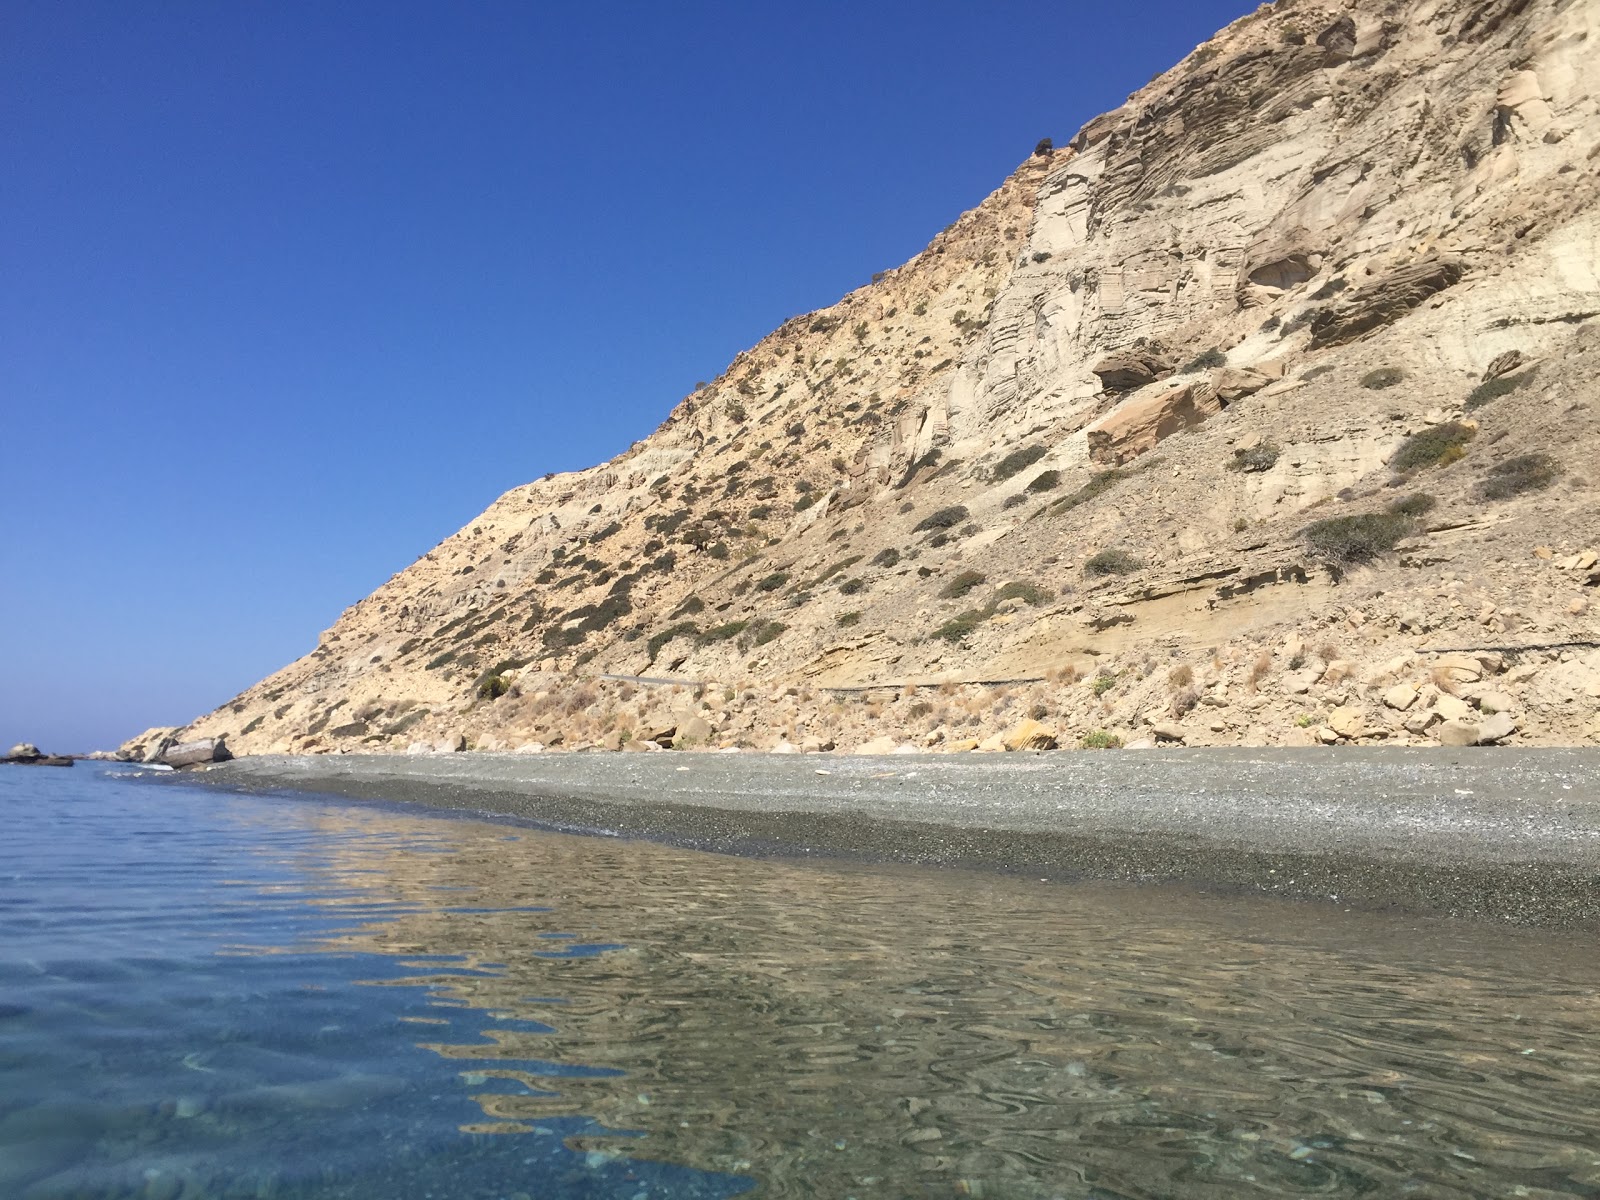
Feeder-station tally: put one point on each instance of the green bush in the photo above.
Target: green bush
(1493, 389)
(1383, 377)
(492, 687)
(1044, 481)
(1097, 483)
(1441, 444)
(1347, 541)
(1099, 739)
(959, 627)
(722, 633)
(1256, 459)
(1103, 684)
(767, 631)
(1413, 506)
(886, 558)
(851, 586)
(1028, 593)
(1525, 473)
(1213, 357)
(1112, 562)
(659, 640)
(1017, 460)
(690, 606)
(805, 502)
(962, 584)
(943, 518)
(772, 582)
(845, 620)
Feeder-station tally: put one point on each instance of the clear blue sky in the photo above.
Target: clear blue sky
(293, 290)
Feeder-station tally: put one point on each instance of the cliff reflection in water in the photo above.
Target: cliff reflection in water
(836, 1031)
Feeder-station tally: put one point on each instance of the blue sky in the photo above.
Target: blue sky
(294, 290)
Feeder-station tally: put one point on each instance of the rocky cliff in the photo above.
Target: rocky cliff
(1264, 411)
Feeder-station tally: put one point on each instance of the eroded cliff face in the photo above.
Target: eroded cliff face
(1227, 302)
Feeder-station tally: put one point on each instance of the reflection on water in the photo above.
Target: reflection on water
(291, 997)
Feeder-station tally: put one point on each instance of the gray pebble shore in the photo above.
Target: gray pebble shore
(1502, 834)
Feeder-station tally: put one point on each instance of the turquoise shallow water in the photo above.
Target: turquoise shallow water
(214, 995)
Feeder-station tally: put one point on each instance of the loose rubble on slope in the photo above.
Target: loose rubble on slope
(1263, 413)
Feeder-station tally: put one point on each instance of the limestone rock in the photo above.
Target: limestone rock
(1495, 702)
(995, 743)
(1030, 735)
(198, 753)
(962, 745)
(692, 731)
(1145, 419)
(882, 744)
(1384, 302)
(1131, 369)
(1400, 697)
(1503, 364)
(1496, 728)
(1235, 383)
(1169, 731)
(1347, 721)
(1452, 708)
(1457, 733)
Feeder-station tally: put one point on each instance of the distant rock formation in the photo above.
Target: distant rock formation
(26, 754)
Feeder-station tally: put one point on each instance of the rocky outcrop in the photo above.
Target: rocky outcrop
(1136, 426)
(196, 754)
(1330, 230)
(1384, 302)
(26, 754)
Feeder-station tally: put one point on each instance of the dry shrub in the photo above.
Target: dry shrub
(578, 699)
(1259, 669)
(1327, 652)
(1180, 677)
(908, 691)
(1184, 700)
(947, 688)
(1443, 680)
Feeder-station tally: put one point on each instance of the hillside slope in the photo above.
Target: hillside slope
(1079, 441)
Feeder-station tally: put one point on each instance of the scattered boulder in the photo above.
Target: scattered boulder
(883, 744)
(1495, 702)
(1400, 697)
(1131, 369)
(1030, 735)
(1348, 721)
(1235, 383)
(1138, 424)
(1457, 733)
(1503, 364)
(197, 754)
(1496, 729)
(1169, 731)
(691, 731)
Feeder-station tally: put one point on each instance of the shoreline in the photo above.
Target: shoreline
(1510, 835)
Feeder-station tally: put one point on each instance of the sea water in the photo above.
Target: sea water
(205, 994)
